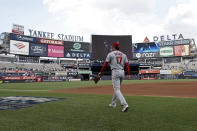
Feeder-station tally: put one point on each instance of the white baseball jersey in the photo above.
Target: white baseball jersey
(117, 60)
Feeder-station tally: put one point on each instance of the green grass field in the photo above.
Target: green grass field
(91, 112)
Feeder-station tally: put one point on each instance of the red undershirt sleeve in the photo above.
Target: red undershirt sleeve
(104, 66)
(128, 68)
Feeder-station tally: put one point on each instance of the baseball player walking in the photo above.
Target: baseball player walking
(117, 60)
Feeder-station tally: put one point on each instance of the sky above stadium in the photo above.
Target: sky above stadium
(139, 18)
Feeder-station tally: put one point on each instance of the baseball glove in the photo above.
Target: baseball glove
(97, 78)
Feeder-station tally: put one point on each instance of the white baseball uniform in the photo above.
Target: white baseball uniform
(117, 60)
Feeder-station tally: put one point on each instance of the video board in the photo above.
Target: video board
(102, 45)
(146, 47)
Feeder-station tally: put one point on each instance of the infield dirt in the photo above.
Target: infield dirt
(166, 89)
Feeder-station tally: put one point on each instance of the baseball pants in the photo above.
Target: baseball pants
(117, 77)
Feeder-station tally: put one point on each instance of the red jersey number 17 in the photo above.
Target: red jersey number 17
(119, 59)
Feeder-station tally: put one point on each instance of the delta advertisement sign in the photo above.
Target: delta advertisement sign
(77, 49)
(19, 47)
(77, 55)
(55, 51)
(168, 37)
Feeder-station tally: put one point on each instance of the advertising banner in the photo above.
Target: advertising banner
(15, 79)
(18, 29)
(149, 72)
(145, 55)
(23, 38)
(182, 50)
(72, 73)
(166, 51)
(54, 79)
(37, 50)
(172, 60)
(146, 47)
(174, 42)
(77, 55)
(165, 72)
(190, 73)
(19, 47)
(28, 59)
(20, 78)
(49, 41)
(176, 71)
(55, 51)
(84, 65)
(14, 71)
(79, 47)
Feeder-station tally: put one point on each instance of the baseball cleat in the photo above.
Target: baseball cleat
(125, 108)
(112, 106)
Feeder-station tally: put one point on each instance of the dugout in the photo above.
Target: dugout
(149, 74)
(84, 74)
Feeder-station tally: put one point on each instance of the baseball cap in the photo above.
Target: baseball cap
(116, 44)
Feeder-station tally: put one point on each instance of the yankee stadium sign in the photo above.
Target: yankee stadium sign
(48, 35)
(174, 42)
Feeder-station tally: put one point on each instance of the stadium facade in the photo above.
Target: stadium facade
(27, 58)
